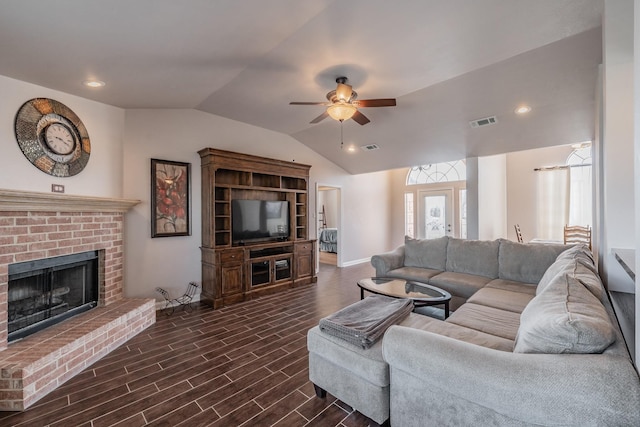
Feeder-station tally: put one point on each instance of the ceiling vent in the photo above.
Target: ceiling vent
(484, 122)
(370, 147)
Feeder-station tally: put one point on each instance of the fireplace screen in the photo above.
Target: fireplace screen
(44, 292)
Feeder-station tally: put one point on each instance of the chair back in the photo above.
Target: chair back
(518, 233)
(577, 234)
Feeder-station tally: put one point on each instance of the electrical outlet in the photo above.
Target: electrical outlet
(57, 188)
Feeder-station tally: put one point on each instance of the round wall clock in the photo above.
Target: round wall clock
(52, 137)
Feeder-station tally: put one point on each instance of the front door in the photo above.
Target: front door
(435, 210)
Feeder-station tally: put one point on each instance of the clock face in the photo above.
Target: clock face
(52, 137)
(59, 138)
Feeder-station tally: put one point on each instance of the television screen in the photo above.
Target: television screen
(254, 220)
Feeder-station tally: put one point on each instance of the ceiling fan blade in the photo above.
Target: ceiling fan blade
(309, 103)
(384, 102)
(320, 118)
(344, 92)
(360, 118)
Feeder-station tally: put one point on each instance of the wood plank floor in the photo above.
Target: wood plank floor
(244, 365)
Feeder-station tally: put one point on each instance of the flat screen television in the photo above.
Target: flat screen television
(259, 220)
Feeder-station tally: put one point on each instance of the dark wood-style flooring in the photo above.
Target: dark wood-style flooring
(243, 365)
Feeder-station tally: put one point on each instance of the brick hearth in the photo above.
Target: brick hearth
(39, 225)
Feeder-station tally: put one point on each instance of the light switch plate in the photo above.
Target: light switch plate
(57, 188)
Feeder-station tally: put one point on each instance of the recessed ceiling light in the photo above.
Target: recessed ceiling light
(94, 83)
(523, 109)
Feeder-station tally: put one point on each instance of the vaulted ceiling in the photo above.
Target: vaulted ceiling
(446, 62)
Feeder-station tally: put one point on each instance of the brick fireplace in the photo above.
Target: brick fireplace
(35, 226)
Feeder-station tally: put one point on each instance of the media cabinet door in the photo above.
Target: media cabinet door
(304, 260)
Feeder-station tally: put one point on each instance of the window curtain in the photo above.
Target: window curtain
(580, 193)
(553, 191)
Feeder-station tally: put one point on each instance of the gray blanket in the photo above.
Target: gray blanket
(365, 321)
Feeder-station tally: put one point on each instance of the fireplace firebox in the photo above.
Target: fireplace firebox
(44, 292)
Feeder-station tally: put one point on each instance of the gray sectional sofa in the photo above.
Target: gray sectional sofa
(533, 340)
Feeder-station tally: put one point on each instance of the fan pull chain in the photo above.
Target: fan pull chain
(341, 138)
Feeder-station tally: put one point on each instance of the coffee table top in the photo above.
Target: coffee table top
(400, 288)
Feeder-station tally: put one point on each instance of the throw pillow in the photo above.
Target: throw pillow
(427, 253)
(564, 318)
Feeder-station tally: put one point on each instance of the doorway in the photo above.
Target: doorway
(435, 213)
(328, 206)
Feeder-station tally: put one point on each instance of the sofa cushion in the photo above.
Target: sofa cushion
(575, 252)
(458, 332)
(586, 273)
(416, 274)
(579, 269)
(473, 257)
(525, 262)
(426, 253)
(501, 299)
(490, 320)
(564, 318)
(510, 285)
(460, 284)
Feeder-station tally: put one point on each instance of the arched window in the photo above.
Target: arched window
(438, 172)
(580, 156)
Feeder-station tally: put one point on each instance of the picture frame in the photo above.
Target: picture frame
(170, 198)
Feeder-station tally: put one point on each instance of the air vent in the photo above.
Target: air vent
(484, 122)
(370, 147)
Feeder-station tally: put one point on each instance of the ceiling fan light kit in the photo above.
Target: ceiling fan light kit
(343, 106)
(341, 111)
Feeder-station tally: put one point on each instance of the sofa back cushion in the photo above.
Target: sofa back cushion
(526, 262)
(479, 257)
(427, 253)
(578, 263)
(564, 318)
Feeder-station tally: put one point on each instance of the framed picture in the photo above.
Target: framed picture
(170, 198)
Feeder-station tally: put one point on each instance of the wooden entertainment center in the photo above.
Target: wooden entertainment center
(234, 271)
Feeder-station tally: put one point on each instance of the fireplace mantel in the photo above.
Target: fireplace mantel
(15, 200)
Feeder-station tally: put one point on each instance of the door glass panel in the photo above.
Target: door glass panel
(283, 269)
(434, 225)
(434, 214)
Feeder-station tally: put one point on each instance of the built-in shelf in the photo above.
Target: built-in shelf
(235, 271)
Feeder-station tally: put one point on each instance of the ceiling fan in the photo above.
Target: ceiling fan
(343, 104)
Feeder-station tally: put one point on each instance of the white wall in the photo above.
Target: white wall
(172, 262)
(618, 210)
(492, 197)
(636, 156)
(102, 175)
(522, 186)
(329, 199)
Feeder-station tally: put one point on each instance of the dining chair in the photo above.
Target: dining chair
(518, 233)
(577, 234)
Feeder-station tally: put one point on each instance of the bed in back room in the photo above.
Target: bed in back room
(328, 241)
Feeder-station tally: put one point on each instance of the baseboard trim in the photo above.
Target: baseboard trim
(356, 262)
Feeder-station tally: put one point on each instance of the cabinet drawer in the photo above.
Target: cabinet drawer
(227, 257)
(302, 248)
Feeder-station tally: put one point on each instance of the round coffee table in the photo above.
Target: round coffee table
(421, 293)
